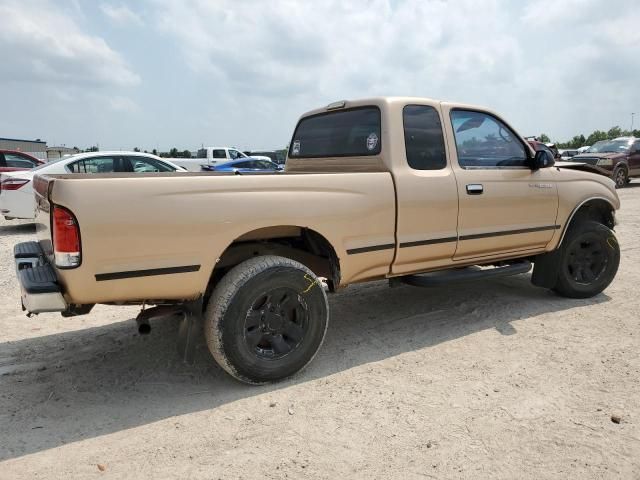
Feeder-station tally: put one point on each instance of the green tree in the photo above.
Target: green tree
(136, 149)
(173, 153)
(596, 137)
(154, 151)
(614, 132)
(186, 154)
(544, 138)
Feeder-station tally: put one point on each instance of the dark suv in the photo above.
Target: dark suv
(618, 158)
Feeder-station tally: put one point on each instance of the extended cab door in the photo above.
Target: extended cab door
(504, 206)
(427, 195)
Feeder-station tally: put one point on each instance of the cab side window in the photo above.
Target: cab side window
(247, 164)
(217, 154)
(141, 164)
(423, 138)
(93, 165)
(483, 141)
(264, 165)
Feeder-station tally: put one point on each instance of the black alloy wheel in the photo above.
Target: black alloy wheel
(586, 260)
(276, 323)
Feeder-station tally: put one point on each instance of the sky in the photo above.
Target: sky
(187, 73)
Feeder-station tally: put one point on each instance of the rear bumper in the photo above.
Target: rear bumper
(39, 287)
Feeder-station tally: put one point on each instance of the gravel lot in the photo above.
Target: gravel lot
(497, 379)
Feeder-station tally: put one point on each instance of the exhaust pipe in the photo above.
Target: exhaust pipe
(144, 327)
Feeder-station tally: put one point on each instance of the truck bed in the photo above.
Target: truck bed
(159, 236)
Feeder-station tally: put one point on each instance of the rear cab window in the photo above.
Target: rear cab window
(340, 133)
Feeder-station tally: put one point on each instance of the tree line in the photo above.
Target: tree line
(580, 140)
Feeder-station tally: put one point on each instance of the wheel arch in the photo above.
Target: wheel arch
(599, 209)
(546, 265)
(303, 244)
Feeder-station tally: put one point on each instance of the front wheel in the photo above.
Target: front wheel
(266, 319)
(589, 260)
(620, 177)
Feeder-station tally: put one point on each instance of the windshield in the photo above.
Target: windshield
(610, 146)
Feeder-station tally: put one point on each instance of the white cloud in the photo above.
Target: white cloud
(123, 104)
(528, 61)
(40, 43)
(121, 14)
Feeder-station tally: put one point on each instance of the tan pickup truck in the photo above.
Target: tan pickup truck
(407, 189)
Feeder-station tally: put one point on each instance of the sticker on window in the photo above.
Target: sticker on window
(372, 142)
(296, 147)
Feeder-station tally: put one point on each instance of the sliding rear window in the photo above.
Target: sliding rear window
(344, 133)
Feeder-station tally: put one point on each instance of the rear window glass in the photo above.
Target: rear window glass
(344, 133)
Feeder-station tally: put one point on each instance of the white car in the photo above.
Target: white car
(16, 188)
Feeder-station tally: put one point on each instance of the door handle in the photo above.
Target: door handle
(475, 189)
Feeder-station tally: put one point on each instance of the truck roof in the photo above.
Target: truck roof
(386, 101)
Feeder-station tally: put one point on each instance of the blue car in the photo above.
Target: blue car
(244, 165)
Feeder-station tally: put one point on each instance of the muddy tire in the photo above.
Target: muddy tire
(620, 177)
(266, 319)
(589, 260)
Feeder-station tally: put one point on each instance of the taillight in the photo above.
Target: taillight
(66, 238)
(13, 183)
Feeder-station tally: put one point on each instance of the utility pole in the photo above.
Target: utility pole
(632, 114)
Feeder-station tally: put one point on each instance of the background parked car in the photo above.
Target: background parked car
(16, 188)
(212, 156)
(277, 156)
(554, 149)
(567, 153)
(539, 146)
(245, 165)
(12, 161)
(618, 158)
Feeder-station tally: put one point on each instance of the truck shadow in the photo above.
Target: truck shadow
(17, 229)
(82, 384)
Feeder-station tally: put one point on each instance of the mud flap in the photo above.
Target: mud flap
(545, 269)
(190, 330)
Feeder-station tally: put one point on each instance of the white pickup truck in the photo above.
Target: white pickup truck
(211, 156)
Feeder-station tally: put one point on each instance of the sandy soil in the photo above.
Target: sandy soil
(498, 379)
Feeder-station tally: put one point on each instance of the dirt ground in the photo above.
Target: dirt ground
(497, 379)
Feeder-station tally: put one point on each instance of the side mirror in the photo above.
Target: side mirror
(542, 159)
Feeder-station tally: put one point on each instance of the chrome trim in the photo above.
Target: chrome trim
(566, 225)
(43, 302)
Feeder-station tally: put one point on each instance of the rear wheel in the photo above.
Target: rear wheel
(266, 319)
(620, 177)
(589, 260)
